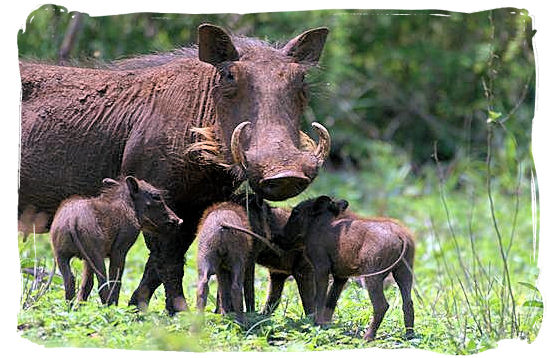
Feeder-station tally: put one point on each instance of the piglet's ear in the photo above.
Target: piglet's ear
(132, 184)
(337, 207)
(342, 205)
(109, 181)
(321, 204)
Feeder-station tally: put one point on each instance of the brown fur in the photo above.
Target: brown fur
(106, 226)
(343, 244)
(280, 266)
(225, 253)
(292, 263)
(270, 222)
(168, 119)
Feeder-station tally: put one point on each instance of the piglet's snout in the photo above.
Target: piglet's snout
(176, 221)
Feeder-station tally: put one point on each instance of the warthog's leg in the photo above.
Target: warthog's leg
(165, 265)
(375, 286)
(104, 286)
(304, 276)
(68, 278)
(169, 265)
(274, 291)
(87, 282)
(147, 286)
(249, 285)
(321, 284)
(116, 269)
(237, 278)
(224, 282)
(404, 278)
(205, 271)
(333, 295)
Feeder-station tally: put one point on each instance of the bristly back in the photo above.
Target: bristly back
(152, 60)
(245, 46)
(112, 191)
(248, 47)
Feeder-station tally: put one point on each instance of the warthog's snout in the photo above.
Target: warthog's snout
(172, 220)
(277, 167)
(175, 221)
(284, 184)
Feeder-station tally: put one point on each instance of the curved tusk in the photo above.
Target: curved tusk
(323, 147)
(236, 152)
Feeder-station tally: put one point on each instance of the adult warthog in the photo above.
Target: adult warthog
(195, 122)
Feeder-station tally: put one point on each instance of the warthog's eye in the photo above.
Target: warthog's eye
(227, 74)
(302, 87)
(229, 81)
(156, 197)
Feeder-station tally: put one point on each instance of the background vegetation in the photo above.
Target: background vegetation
(430, 113)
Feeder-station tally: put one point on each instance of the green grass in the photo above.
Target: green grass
(462, 299)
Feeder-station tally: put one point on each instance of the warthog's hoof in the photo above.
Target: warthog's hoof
(177, 304)
(369, 336)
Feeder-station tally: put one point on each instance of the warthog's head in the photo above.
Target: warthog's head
(307, 216)
(259, 99)
(151, 211)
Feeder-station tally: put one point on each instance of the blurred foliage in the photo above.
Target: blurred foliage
(409, 78)
(393, 88)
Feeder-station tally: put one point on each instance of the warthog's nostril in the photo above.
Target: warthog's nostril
(176, 222)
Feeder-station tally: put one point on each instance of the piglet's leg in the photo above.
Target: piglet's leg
(224, 283)
(87, 282)
(202, 285)
(274, 291)
(404, 278)
(321, 284)
(249, 286)
(375, 287)
(63, 262)
(333, 295)
(104, 285)
(237, 278)
(116, 269)
(304, 277)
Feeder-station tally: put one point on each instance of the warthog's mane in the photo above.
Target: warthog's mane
(244, 45)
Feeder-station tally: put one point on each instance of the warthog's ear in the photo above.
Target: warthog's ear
(308, 46)
(215, 45)
(109, 181)
(321, 204)
(132, 184)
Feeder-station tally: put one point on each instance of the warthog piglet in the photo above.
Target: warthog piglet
(107, 226)
(224, 252)
(341, 243)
